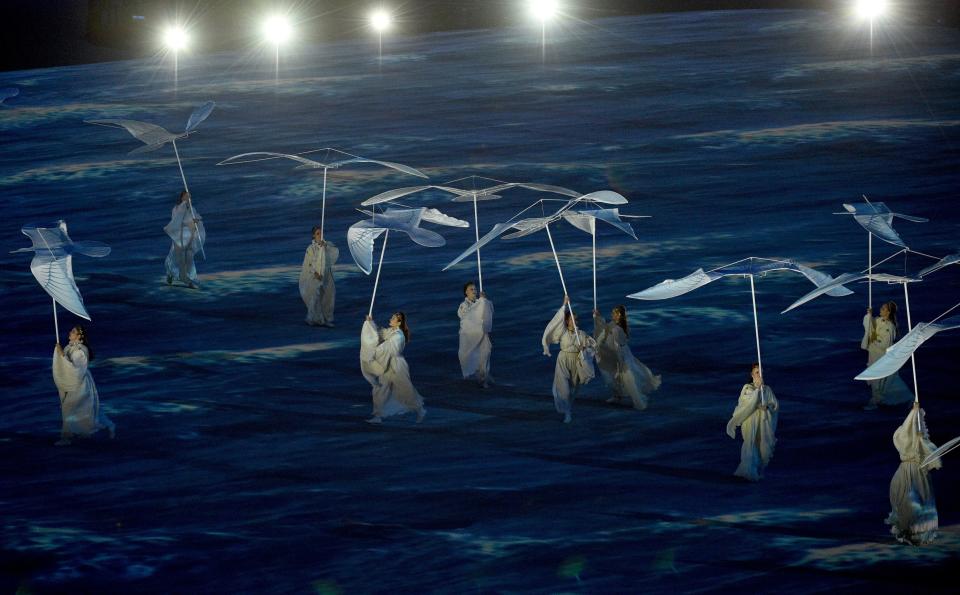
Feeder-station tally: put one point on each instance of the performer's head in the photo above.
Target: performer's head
(399, 320)
(184, 195)
(317, 233)
(79, 334)
(755, 374)
(569, 319)
(619, 316)
(888, 311)
(470, 290)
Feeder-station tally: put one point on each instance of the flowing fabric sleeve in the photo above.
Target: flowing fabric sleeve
(486, 313)
(746, 405)
(463, 309)
(392, 346)
(886, 334)
(369, 366)
(867, 321)
(554, 330)
(599, 327)
(333, 254)
(586, 370)
(68, 372)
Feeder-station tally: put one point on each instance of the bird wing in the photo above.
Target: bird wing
(199, 115)
(397, 166)
(945, 261)
(673, 287)
(898, 353)
(360, 239)
(151, 135)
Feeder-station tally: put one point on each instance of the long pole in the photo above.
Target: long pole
(379, 266)
(756, 332)
(593, 234)
(913, 362)
(56, 323)
(563, 284)
(476, 233)
(189, 202)
(870, 270)
(323, 203)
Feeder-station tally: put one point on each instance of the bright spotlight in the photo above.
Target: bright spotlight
(277, 29)
(542, 10)
(380, 20)
(175, 38)
(870, 9)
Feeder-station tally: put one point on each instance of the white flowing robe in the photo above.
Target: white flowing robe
(187, 235)
(891, 390)
(913, 516)
(317, 287)
(383, 365)
(758, 426)
(79, 401)
(621, 371)
(574, 368)
(476, 322)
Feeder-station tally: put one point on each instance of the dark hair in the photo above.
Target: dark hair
(180, 197)
(754, 366)
(315, 229)
(567, 315)
(82, 336)
(466, 285)
(892, 307)
(623, 318)
(403, 325)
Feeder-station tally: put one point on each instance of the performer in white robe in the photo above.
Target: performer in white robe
(757, 419)
(913, 516)
(384, 367)
(878, 335)
(574, 362)
(624, 374)
(476, 322)
(317, 288)
(187, 236)
(79, 401)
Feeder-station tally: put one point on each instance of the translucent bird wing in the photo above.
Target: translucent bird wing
(8, 92)
(480, 197)
(149, 134)
(397, 166)
(91, 248)
(266, 156)
(360, 239)
(945, 261)
(820, 279)
(877, 219)
(408, 222)
(491, 235)
(580, 220)
(828, 287)
(940, 452)
(898, 353)
(393, 194)
(526, 227)
(911, 218)
(674, 287)
(435, 216)
(548, 188)
(608, 197)
(55, 275)
(199, 115)
(610, 216)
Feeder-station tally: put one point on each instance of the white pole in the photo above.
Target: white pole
(563, 284)
(379, 266)
(593, 233)
(476, 233)
(870, 270)
(56, 323)
(323, 204)
(189, 203)
(756, 332)
(913, 362)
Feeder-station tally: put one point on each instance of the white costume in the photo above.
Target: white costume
(187, 236)
(890, 390)
(913, 516)
(621, 371)
(79, 401)
(574, 368)
(476, 322)
(316, 282)
(758, 426)
(383, 365)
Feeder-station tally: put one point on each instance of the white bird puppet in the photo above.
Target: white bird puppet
(877, 220)
(52, 265)
(332, 159)
(154, 137)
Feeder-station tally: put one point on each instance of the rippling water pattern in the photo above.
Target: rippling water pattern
(242, 463)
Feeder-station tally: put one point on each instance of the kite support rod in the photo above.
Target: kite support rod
(563, 283)
(870, 270)
(192, 213)
(593, 236)
(913, 361)
(56, 323)
(476, 233)
(376, 281)
(756, 332)
(323, 203)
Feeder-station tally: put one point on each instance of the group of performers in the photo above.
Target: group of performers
(913, 517)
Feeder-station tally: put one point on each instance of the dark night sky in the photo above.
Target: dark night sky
(40, 33)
